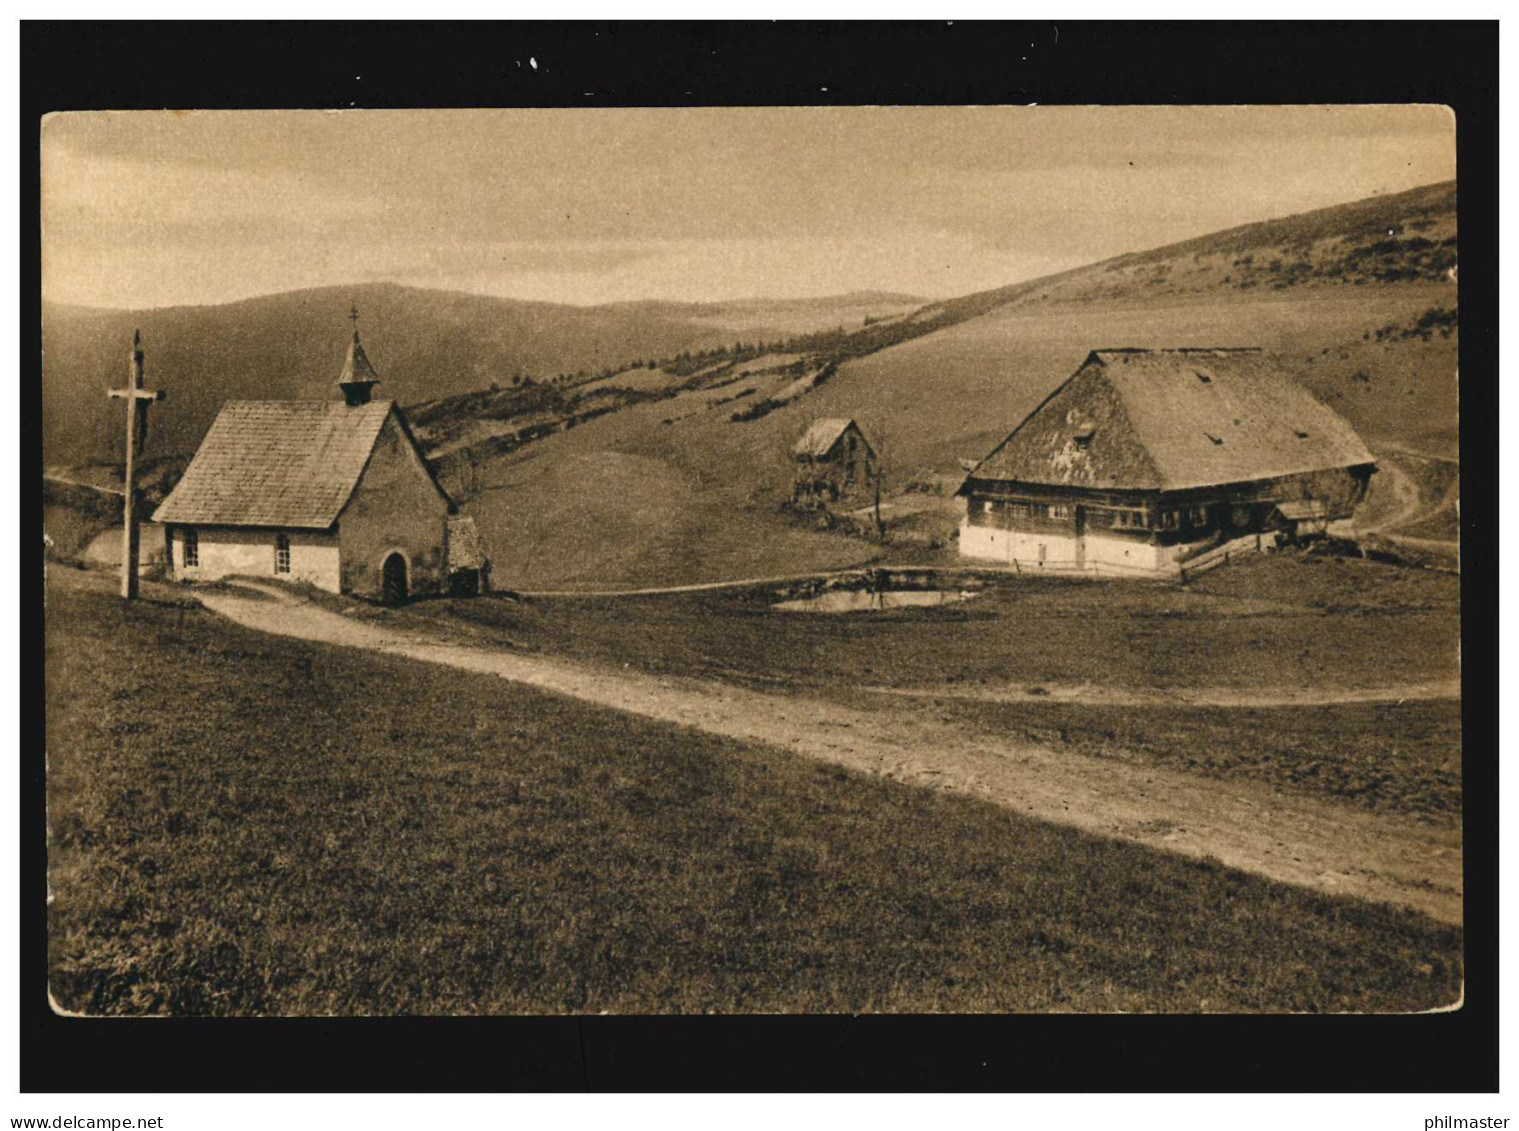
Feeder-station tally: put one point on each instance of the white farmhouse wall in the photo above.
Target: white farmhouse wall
(1009, 546)
(1121, 555)
(1116, 556)
(314, 556)
(986, 543)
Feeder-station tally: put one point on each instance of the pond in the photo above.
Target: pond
(865, 600)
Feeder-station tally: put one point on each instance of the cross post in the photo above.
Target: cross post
(138, 400)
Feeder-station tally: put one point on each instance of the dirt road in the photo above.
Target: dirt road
(1248, 826)
(1404, 506)
(1399, 502)
(1192, 697)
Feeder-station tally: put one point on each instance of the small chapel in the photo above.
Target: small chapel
(335, 493)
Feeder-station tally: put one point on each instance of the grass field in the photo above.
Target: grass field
(1265, 622)
(1395, 758)
(244, 824)
(1263, 625)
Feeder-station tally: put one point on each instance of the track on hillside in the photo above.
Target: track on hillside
(1243, 825)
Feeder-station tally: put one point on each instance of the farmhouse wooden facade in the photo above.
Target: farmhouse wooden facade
(1144, 459)
(834, 461)
(334, 493)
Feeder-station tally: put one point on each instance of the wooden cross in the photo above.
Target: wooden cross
(353, 316)
(138, 400)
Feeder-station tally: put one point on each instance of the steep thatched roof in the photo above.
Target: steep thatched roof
(1171, 420)
(278, 463)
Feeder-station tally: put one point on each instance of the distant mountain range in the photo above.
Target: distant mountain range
(425, 343)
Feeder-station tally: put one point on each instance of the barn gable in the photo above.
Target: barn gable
(819, 439)
(1173, 420)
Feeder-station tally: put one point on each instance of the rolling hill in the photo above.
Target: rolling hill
(780, 318)
(426, 344)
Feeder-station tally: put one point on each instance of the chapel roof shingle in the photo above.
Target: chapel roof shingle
(277, 463)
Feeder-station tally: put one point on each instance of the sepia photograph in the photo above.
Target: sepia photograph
(622, 561)
(752, 560)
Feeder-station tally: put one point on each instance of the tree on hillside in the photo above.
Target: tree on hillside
(878, 435)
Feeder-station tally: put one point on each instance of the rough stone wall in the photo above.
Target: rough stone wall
(395, 508)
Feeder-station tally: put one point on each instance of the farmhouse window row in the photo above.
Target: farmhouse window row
(1024, 510)
(1173, 519)
(1119, 518)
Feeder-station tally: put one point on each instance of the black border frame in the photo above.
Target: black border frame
(227, 65)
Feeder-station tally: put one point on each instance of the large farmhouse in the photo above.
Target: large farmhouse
(335, 493)
(1146, 458)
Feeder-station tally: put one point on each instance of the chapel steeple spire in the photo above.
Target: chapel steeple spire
(358, 378)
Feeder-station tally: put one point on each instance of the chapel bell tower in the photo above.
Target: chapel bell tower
(358, 378)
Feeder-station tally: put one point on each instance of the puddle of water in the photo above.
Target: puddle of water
(860, 600)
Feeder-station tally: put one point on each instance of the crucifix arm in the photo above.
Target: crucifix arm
(137, 394)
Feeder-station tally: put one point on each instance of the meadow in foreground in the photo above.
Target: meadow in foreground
(243, 824)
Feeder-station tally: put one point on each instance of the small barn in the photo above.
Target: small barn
(1302, 518)
(834, 461)
(334, 493)
(1147, 457)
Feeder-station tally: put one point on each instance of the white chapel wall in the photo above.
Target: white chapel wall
(225, 551)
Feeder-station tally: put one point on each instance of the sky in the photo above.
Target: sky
(158, 208)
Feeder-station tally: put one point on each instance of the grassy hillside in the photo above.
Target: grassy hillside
(705, 503)
(771, 319)
(1357, 298)
(958, 392)
(245, 824)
